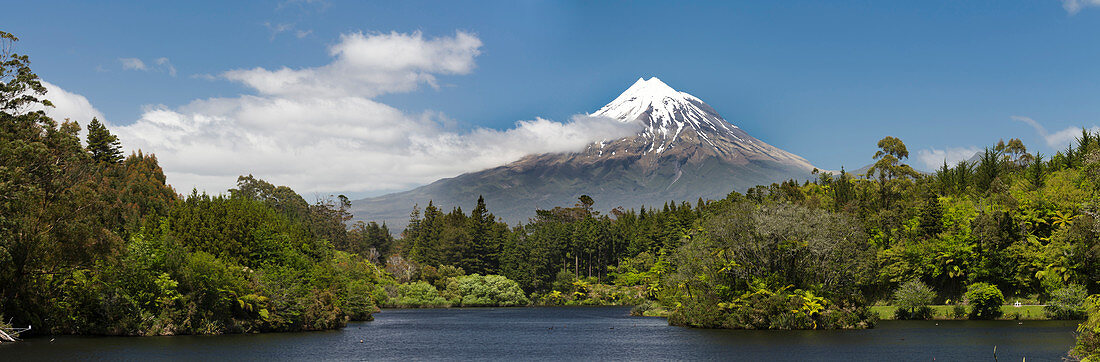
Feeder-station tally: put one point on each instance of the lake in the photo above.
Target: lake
(573, 333)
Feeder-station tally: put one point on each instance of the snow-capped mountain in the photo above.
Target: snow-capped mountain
(666, 112)
(684, 151)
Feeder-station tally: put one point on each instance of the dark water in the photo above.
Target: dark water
(573, 334)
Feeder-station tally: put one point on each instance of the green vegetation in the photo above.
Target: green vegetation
(1010, 225)
(913, 299)
(489, 290)
(1088, 333)
(1067, 303)
(95, 243)
(959, 312)
(985, 301)
(418, 294)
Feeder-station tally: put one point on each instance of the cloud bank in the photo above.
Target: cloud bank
(320, 130)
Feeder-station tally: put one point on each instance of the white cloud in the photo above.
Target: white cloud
(68, 105)
(132, 64)
(1057, 140)
(161, 64)
(933, 158)
(1074, 6)
(277, 29)
(319, 129)
(166, 65)
(370, 65)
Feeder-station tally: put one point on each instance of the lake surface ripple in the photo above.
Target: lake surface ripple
(573, 333)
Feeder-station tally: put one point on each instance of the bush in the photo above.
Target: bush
(1088, 333)
(419, 295)
(958, 311)
(439, 277)
(922, 312)
(912, 300)
(1067, 303)
(563, 280)
(649, 308)
(985, 301)
(489, 290)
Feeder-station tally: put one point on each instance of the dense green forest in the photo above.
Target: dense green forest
(94, 242)
(1008, 226)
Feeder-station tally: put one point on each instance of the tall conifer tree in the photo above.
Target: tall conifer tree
(103, 145)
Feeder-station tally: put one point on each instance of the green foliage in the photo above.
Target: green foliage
(103, 145)
(489, 290)
(985, 301)
(958, 311)
(419, 294)
(1088, 333)
(97, 246)
(649, 308)
(737, 269)
(1067, 303)
(439, 277)
(912, 300)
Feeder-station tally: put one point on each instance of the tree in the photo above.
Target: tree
(985, 301)
(103, 145)
(888, 158)
(50, 207)
(20, 88)
(586, 203)
(931, 216)
(1067, 303)
(912, 300)
(889, 168)
(482, 256)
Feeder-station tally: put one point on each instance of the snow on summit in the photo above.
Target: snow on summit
(666, 113)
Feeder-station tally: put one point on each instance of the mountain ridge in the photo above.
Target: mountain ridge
(684, 151)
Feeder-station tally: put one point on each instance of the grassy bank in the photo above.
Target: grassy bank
(1024, 312)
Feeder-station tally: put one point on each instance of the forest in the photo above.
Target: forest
(96, 242)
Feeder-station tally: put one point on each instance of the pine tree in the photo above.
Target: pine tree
(482, 255)
(103, 145)
(931, 216)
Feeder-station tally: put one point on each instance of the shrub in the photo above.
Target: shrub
(912, 300)
(489, 290)
(646, 308)
(985, 301)
(563, 280)
(1088, 333)
(439, 277)
(1067, 303)
(419, 295)
(922, 312)
(958, 311)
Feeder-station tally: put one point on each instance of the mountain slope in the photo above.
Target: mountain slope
(684, 151)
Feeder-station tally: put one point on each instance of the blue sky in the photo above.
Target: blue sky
(822, 79)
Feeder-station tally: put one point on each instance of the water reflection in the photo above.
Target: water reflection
(573, 334)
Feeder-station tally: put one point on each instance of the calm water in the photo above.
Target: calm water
(573, 334)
